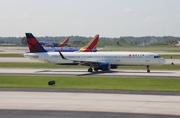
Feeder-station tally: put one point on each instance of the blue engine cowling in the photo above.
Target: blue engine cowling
(104, 66)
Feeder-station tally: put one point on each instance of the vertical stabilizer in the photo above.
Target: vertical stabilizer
(91, 46)
(64, 43)
(33, 44)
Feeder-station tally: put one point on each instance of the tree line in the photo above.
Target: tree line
(79, 41)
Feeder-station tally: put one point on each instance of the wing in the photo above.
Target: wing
(102, 65)
(83, 62)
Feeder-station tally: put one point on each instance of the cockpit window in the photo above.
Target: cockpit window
(157, 57)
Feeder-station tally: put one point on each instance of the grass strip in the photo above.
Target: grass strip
(11, 55)
(92, 83)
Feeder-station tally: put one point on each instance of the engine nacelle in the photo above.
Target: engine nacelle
(104, 66)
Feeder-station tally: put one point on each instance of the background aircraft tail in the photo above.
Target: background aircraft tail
(91, 46)
(33, 44)
(64, 43)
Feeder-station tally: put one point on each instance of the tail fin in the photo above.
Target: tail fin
(33, 44)
(91, 46)
(65, 42)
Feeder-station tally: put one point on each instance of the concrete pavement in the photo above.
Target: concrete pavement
(99, 102)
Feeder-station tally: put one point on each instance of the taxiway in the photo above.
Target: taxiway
(83, 72)
(91, 102)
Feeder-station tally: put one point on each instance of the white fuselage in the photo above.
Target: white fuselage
(113, 58)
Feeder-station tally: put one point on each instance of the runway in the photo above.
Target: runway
(75, 114)
(90, 102)
(83, 72)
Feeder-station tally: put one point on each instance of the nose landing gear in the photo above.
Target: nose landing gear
(148, 70)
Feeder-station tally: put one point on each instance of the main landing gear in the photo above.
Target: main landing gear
(148, 70)
(96, 69)
(90, 70)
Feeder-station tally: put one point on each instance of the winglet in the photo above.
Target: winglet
(33, 44)
(62, 56)
(91, 45)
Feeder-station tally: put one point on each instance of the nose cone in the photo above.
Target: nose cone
(162, 61)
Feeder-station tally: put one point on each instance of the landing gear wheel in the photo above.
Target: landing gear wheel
(96, 69)
(148, 70)
(90, 70)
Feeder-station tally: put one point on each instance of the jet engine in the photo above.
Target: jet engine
(104, 66)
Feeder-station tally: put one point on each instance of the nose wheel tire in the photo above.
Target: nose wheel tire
(148, 70)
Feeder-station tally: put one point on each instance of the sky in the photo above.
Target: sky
(108, 18)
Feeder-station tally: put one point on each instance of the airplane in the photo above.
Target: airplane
(95, 60)
(90, 47)
(43, 43)
(55, 44)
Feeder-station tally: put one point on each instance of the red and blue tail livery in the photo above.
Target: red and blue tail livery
(33, 44)
(36, 46)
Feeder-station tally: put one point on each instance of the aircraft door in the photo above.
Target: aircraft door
(117, 58)
(147, 59)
